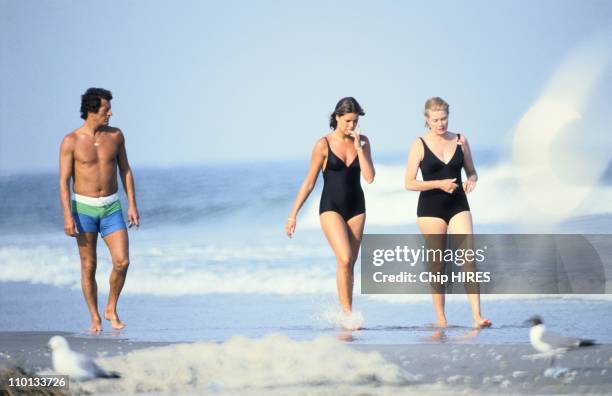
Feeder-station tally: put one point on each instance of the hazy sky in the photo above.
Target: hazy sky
(198, 81)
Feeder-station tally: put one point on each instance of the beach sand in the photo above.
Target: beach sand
(276, 364)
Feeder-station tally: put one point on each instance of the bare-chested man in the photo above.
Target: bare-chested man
(90, 156)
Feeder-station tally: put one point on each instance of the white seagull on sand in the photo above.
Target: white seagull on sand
(76, 365)
(550, 344)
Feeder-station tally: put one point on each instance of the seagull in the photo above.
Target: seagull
(76, 365)
(551, 344)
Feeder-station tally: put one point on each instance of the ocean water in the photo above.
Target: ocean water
(211, 260)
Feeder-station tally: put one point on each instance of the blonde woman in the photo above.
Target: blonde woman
(443, 206)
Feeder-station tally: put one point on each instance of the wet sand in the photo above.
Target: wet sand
(276, 364)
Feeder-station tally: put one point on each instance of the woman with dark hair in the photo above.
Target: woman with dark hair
(344, 156)
(443, 206)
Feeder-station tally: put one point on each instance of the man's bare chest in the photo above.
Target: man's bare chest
(96, 151)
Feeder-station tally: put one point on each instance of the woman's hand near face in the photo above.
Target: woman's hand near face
(356, 140)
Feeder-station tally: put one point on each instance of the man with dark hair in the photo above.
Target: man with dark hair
(92, 99)
(90, 156)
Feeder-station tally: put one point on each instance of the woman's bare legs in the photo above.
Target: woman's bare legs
(435, 226)
(461, 223)
(339, 234)
(355, 228)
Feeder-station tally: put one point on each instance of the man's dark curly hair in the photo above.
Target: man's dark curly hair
(92, 99)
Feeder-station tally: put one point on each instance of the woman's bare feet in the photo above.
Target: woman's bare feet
(96, 325)
(437, 336)
(442, 321)
(351, 321)
(111, 315)
(346, 336)
(481, 323)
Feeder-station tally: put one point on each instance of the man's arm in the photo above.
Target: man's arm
(127, 178)
(66, 169)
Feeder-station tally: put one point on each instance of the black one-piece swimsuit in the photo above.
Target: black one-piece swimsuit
(438, 203)
(342, 191)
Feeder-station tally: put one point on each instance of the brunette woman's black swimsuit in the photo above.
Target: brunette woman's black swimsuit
(342, 191)
(438, 203)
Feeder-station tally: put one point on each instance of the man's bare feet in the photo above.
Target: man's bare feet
(442, 321)
(96, 325)
(481, 323)
(111, 315)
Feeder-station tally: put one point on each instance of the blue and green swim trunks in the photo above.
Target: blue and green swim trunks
(101, 214)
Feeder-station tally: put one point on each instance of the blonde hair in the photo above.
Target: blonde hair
(435, 103)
